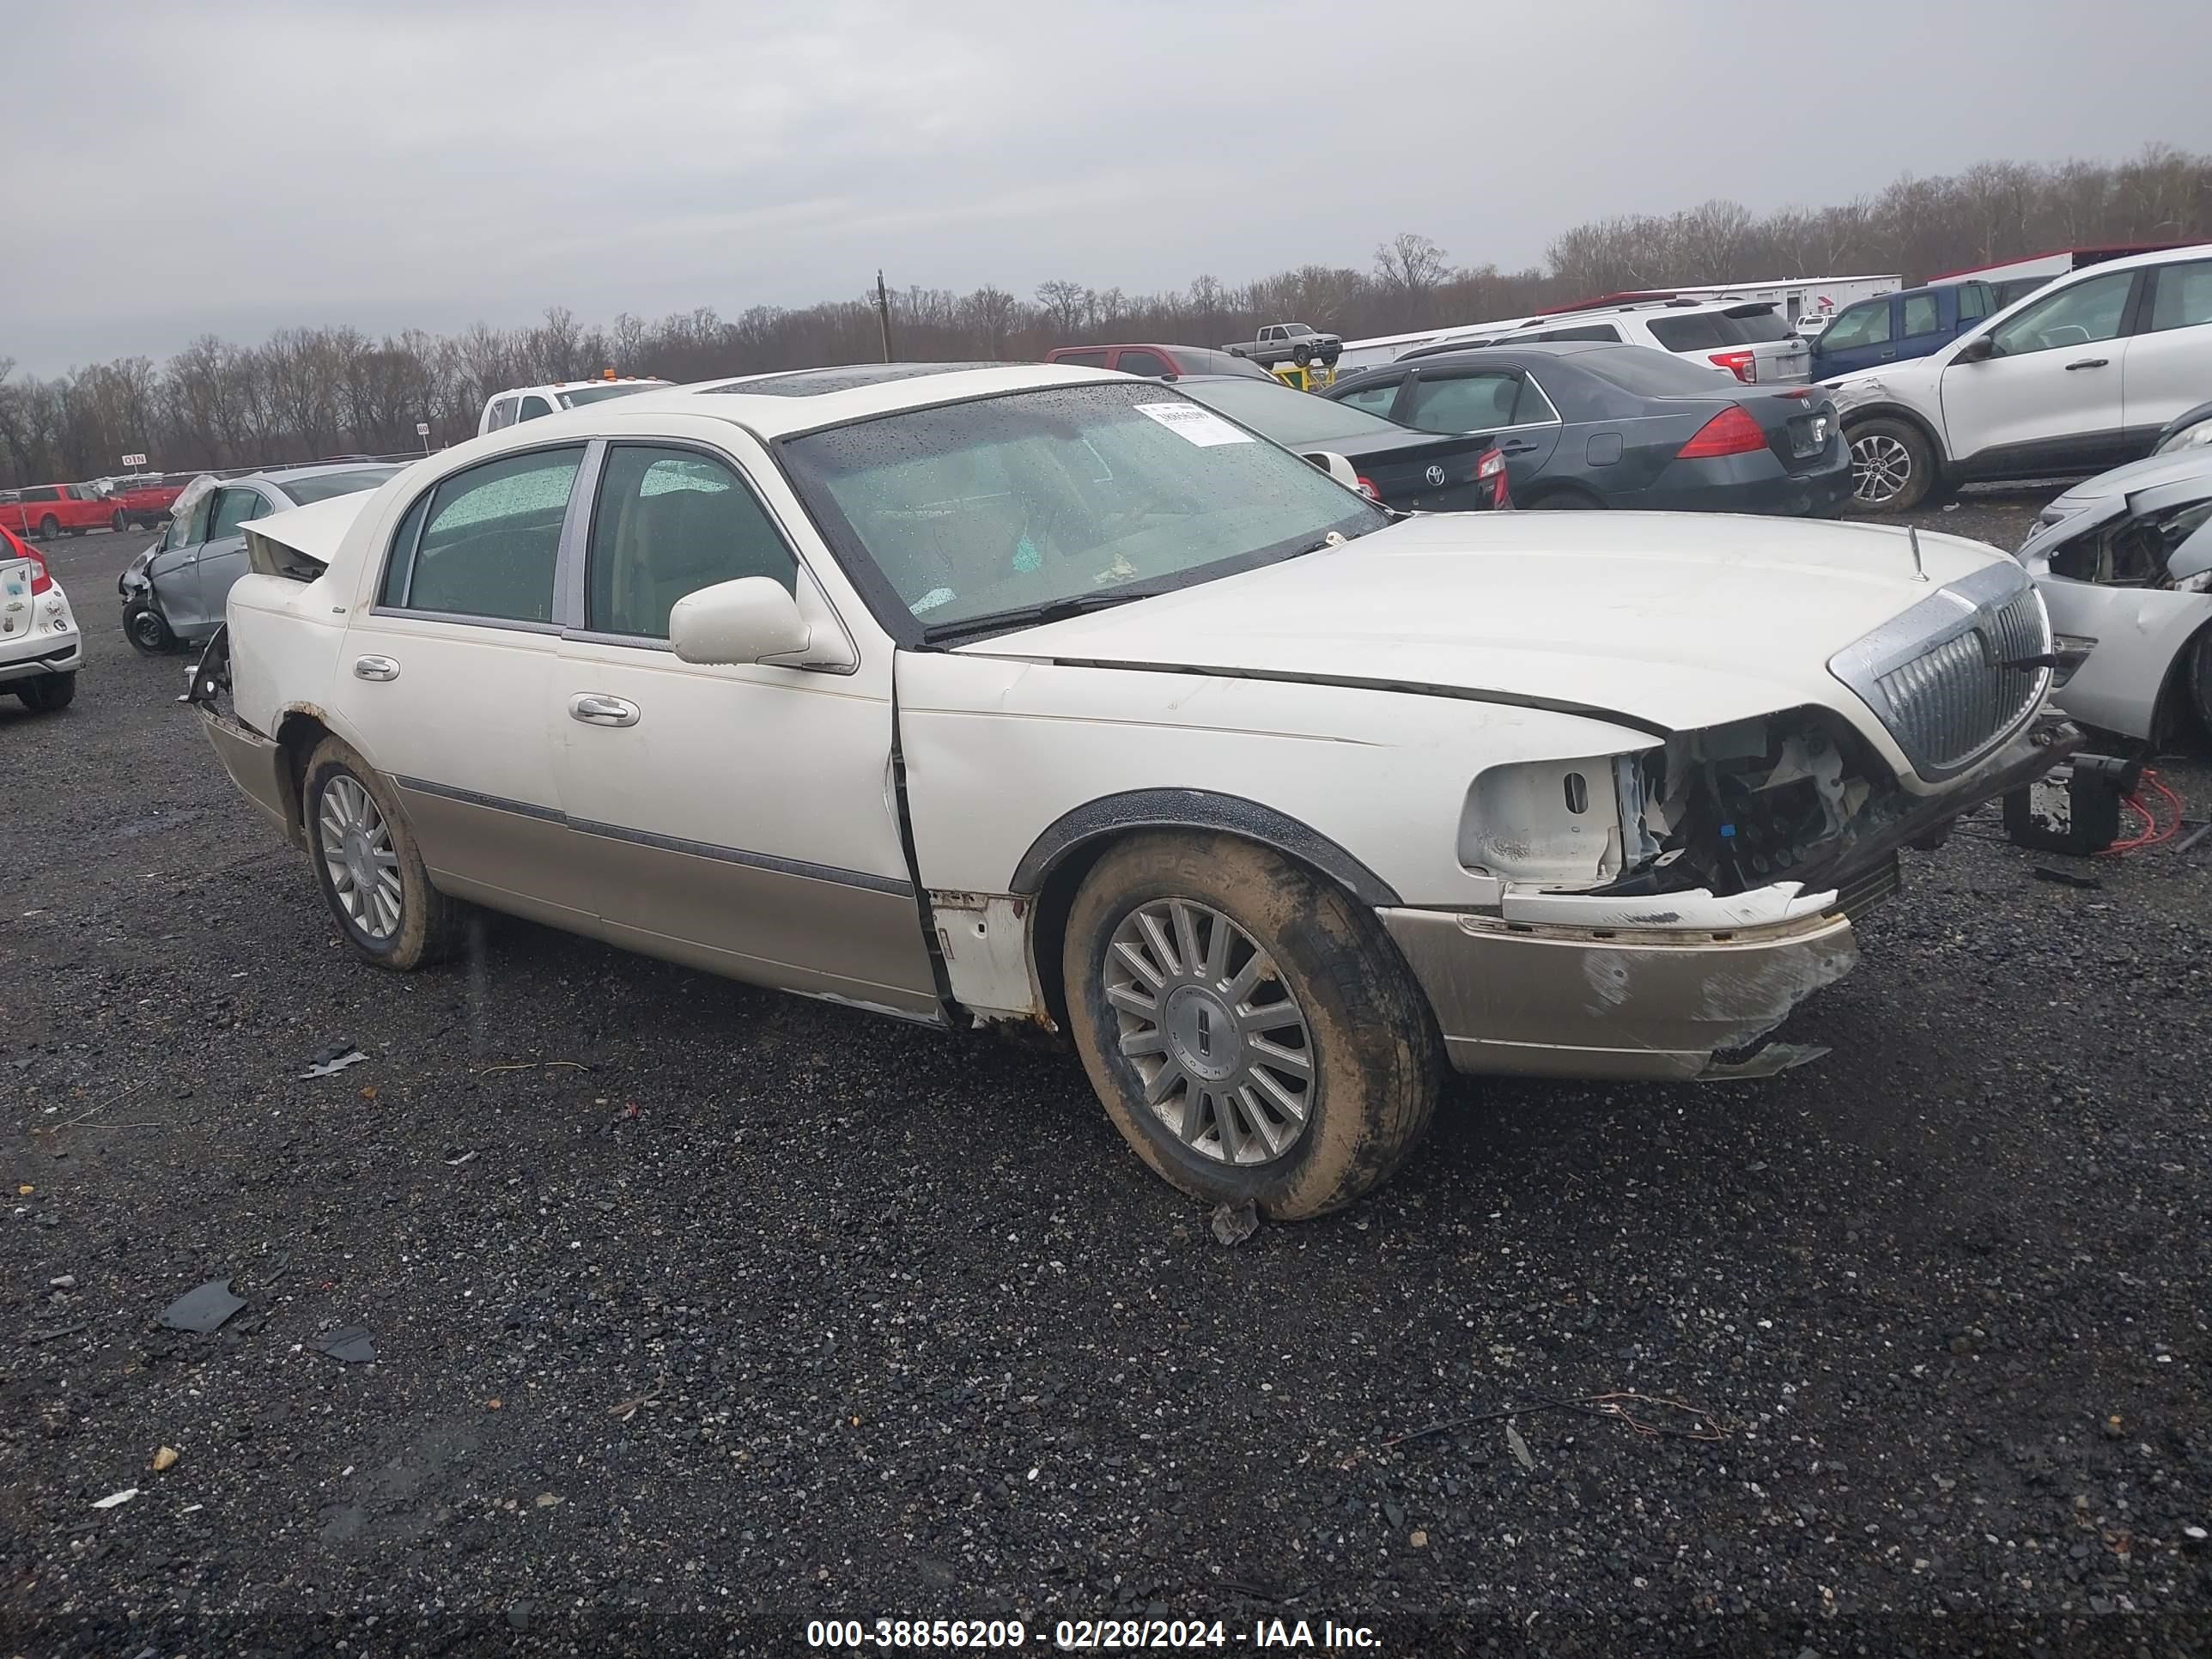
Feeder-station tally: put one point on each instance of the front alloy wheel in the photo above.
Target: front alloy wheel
(1249, 1027)
(1206, 1020)
(1892, 467)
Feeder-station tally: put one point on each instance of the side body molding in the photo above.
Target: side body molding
(1196, 809)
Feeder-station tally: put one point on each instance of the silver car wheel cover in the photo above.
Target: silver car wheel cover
(1880, 468)
(358, 858)
(1217, 1039)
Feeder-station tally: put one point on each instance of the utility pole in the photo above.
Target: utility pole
(883, 313)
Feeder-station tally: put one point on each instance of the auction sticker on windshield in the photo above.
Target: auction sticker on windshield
(1200, 426)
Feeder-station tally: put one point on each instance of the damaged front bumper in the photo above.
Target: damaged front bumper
(1601, 1003)
(1519, 996)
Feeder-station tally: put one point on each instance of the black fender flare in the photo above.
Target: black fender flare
(1196, 809)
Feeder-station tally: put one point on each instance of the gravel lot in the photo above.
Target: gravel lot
(699, 1312)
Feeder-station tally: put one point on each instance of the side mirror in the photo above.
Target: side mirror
(1980, 350)
(1336, 466)
(749, 620)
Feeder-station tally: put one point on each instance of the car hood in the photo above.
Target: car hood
(2152, 473)
(1661, 621)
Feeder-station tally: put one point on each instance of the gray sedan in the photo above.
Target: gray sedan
(175, 590)
(1582, 424)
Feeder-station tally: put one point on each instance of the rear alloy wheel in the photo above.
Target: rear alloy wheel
(1892, 467)
(367, 866)
(48, 693)
(149, 631)
(1249, 1028)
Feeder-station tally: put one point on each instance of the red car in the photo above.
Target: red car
(46, 510)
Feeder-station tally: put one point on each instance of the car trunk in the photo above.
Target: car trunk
(1400, 470)
(1801, 431)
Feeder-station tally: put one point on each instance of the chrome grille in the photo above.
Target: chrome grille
(1956, 673)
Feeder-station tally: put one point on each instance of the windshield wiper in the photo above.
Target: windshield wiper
(1027, 616)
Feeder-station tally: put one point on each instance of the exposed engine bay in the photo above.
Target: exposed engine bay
(2135, 552)
(1742, 805)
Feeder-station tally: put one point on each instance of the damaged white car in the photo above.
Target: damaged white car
(1043, 697)
(2124, 564)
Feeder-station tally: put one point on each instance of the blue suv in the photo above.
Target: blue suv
(1891, 327)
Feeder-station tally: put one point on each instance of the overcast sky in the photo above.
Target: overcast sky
(239, 166)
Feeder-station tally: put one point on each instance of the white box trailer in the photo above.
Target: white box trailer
(2010, 279)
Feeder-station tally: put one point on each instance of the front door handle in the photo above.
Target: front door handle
(2089, 362)
(375, 668)
(593, 709)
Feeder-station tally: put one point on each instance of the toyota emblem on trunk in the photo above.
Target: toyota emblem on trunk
(1435, 475)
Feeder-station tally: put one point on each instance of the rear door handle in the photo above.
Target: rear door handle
(1518, 446)
(2089, 362)
(375, 668)
(594, 709)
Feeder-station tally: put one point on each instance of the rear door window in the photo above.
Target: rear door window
(487, 542)
(2184, 296)
(534, 408)
(1921, 314)
(1974, 300)
(1604, 331)
(1463, 403)
(1083, 359)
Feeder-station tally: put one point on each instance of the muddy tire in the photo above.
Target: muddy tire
(1892, 468)
(2197, 678)
(365, 862)
(119, 520)
(50, 528)
(48, 692)
(1250, 1029)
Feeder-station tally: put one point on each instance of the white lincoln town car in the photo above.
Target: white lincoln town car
(1040, 695)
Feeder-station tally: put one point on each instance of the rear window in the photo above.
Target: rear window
(1649, 374)
(1290, 418)
(1752, 327)
(1605, 332)
(600, 394)
(321, 486)
(1700, 332)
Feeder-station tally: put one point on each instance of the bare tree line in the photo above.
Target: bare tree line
(309, 392)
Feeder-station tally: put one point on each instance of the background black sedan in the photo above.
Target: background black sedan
(1396, 465)
(1584, 424)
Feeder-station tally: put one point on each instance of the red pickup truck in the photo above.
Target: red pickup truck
(145, 504)
(46, 510)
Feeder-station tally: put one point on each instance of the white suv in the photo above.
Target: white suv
(2076, 377)
(1743, 336)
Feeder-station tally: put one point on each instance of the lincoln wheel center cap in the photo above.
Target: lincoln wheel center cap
(1202, 1033)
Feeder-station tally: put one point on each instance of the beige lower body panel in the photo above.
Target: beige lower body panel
(767, 927)
(1571, 1004)
(256, 766)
